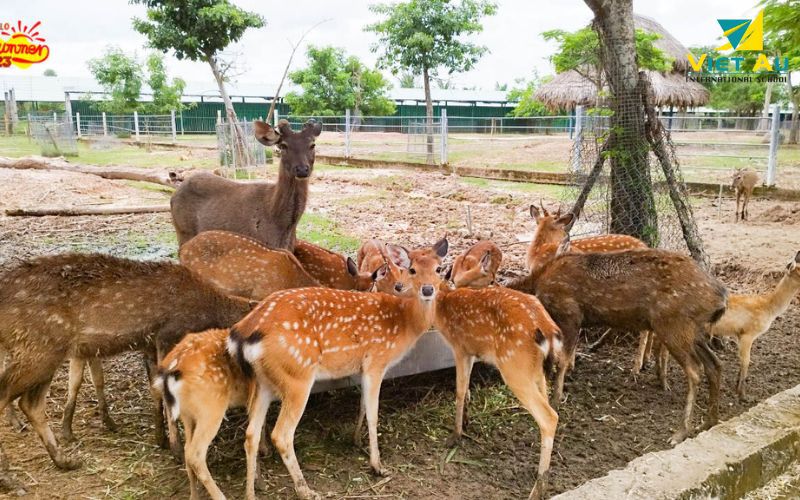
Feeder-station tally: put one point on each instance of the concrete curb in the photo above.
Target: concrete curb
(725, 462)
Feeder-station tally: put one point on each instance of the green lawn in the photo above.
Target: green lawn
(326, 233)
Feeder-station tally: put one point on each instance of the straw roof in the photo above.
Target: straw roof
(569, 89)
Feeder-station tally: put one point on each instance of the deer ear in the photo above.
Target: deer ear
(312, 127)
(563, 247)
(449, 274)
(380, 273)
(486, 262)
(352, 268)
(441, 247)
(566, 220)
(265, 134)
(399, 256)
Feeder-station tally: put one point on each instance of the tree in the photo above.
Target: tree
(121, 77)
(199, 30)
(333, 82)
(166, 95)
(523, 94)
(50, 72)
(580, 51)
(407, 80)
(426, 36)
(782, 33)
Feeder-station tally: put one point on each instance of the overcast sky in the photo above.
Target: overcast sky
(79, 30)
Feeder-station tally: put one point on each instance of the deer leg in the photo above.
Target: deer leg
(362, 412)
(76, 367)
(11, 415)
(570, 333)
(150, 365)
(188, 430)
(464, 364)
(371, 382)
(738, 197)
(745, 347)
(522, 378)
(196, 448)
(662, 364)
(680, 343)
(645, 346)
(292, 408)
(99, 382)
(32, 403)
(257, 415)
(713, 371)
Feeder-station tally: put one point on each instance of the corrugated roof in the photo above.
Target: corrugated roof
(49, 89)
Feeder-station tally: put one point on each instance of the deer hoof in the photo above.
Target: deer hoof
(67, 463)
(67, 436)
(453, 440)
(678, 437)
(110, 424)
(307, 493)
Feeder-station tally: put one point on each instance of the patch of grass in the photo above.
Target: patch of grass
(323, 231)
(550, 190)
(360, 199)
(149, 186)
(393, 182)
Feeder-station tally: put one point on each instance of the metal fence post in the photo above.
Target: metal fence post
(347, 133)
(172, 123)
(577, 139)
(105, 124)
(28, 133)
(78, 123)
(136, 124)
(55, 117)
(443, 131)
(774, 138)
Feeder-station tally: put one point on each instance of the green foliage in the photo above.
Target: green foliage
(580, 51)
(333, 82)
(428, 35)
(194, 29)
(523, 93)
(407, 80)
(782, 33)
(166, 96)
(121, 76)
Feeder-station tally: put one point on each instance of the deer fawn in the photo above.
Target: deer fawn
(93, 306)
(264, 211)
(551, 231)
(199, 381)
(331, 269)
(477, 267)
(637, 290)
(747, 318)
(510, 330)
(743, 183)
(373, 254)
(298, 336)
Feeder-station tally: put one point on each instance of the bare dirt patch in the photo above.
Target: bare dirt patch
(609, 418)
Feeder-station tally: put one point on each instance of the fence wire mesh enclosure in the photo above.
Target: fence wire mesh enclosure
(54, 137)
(631, 183)
(239, 160)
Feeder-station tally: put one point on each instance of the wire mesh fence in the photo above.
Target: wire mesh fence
(54, 137)
(236, 163)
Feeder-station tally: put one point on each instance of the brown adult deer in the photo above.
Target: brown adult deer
(264, 211)
(636, 290)
(298, 336)
(551, 229)
(93, 306)
(508, 329)
(331, 269)
(743, 183)
(747, 318)
(200, 381)
(477, 267)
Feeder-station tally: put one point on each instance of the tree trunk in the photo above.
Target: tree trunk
(763, 124)
(242, 153)
(168, 178)
(90, 210)
(426, 82)
(632, 204)
(794, 98)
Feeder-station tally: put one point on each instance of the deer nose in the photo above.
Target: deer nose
(398, 287)
(302, 171)
(427, 290)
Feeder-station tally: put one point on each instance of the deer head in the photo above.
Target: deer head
(297, 148)
(422, 268)
(550, 228)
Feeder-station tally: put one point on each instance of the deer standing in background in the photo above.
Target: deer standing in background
(637, 290)
(298, 336)
(264, 211)
(743, 183)
(92, 306)
(199, 381)
(508, 329)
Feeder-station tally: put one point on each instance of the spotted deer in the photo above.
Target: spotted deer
(199, 382)
(508, 329)
(373, 254)
(551, 229)
(265, 211)
(477, 267)
(298, 336)
(331, 269)
(636, 290)
(88, 306)
(743, 182)
(746, 318)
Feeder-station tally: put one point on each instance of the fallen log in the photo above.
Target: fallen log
(75, 211)
(170, 178)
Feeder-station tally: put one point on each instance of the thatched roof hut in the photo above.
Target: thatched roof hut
(569, 89)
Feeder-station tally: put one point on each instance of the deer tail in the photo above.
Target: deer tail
(245, 350)
(167, 382)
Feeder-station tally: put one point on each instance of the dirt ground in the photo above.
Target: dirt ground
(609, 418)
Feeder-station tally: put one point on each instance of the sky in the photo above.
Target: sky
(79, 30)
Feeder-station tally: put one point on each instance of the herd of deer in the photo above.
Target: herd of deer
(276, 314)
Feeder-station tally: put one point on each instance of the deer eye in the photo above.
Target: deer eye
(411, 270)
(438, 269)
(282, 146)
(312, 146)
